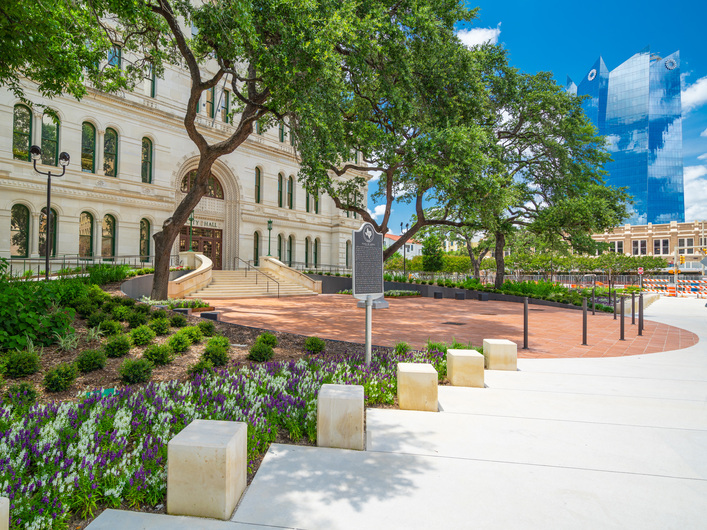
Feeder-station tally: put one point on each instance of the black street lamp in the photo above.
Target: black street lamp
(407, 227)
(36, 153)
(191, 228)
(269, 233)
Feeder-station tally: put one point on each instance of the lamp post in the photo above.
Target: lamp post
(64, 158)
(269, 234)
(407, 227)
(191, 228)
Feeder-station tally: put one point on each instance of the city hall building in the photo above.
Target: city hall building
(131, 162)
(637, 108)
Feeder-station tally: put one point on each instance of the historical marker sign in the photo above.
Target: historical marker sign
(367, 262)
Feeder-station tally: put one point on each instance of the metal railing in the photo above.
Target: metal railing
(250, 266)
(73, 264)
(318, 268)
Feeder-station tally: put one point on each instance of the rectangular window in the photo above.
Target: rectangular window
(619, 247)
(115, 57)
(210, 102)
(639, 247)
(686, 245)
(152, 79)
(226, 106)
(661, 247)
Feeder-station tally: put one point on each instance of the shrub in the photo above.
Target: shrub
(456, 345)
(121, 313)
(207, 327)
(216, 350)
(142, 335)
(204, 365)
(61, 377)
(95, 319)
(260, 351)
(93, 334)
(117, 346)
(179, 342)
(158, 313)
(142, 308)
(178, 321)
(135, 371)
(159, 354)
(194, 334)
(159, 326)
(401, 348)
(20, 363)
(86, 307)
(90, 360)
(104, 273)
(439, 346)
(125, 300)
(20, 395)
(268, 338)
(136, 319)
(314, 345)
(110, 327)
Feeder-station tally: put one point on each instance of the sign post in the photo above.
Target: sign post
(367, 273)
(640, 277)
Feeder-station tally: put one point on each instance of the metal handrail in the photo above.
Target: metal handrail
(66, 264)
(319, 267)
(251, 265)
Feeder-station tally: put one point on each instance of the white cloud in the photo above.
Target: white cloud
(702, 157)
(695, 192)
(377, 211)
(477, 36)
(694, 95)
(704, 133)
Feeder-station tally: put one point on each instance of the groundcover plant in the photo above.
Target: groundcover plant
(72, 457)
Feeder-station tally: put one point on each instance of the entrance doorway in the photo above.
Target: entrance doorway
(206, 240)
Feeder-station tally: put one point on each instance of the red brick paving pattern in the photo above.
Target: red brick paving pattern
(553, 332)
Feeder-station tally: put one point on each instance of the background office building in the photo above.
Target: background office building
(637, 107)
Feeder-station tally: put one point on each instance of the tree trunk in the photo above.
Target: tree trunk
(163, 248)
(500, 262)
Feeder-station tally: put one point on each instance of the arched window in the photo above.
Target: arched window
(290, 250)
(144, 240)
(256, 248)
(85, 235)
(257, 184)
(213, 186)
(21, 132)
(280, 190)
(50, 140)
(280, 244)
(306, 202)
(146, 160)
(316, 202)
(43, 232)
(108, 237)
(88, 147)
(290, 192)
(19, 231)
(306, 252)
(110, 153)
(282, 133)
(348, 254)
(315, 253)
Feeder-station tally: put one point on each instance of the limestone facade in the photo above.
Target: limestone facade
(128, 199)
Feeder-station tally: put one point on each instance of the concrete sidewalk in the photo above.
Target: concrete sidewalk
(582, 443)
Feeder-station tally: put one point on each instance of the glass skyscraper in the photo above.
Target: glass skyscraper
(637, 108)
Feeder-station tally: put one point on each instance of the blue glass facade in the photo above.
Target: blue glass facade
(637, 108)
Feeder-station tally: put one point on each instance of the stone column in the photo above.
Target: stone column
(100, 134)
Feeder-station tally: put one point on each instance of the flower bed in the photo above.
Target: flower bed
(108, 450)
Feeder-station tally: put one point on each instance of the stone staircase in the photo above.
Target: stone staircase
(247, 284)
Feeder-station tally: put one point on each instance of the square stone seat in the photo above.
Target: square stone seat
(4, 513)
(500, 354)
(340, 417)
(417, 387)
(206, 469)
(465, 368)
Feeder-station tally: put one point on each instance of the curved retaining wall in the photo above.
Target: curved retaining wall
(140, 286)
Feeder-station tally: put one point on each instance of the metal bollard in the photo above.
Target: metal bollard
(614, 304)
(640, 315)
(633, 308)
(623, 304)
(584, 321)
(525, 323)
(594, 300)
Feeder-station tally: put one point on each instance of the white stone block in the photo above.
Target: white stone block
(417, 387)
(206, 469)
(500, 354)
(340, 417)
(465, 368)
(4, 513)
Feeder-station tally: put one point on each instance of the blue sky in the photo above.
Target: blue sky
(565, 38)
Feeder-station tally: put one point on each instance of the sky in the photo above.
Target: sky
(566, 38)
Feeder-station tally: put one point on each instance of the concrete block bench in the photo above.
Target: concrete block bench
(182, 310)
(417, 387)
(211, 315)
(4, 513)
(465, 368)
(438, 295)
(500, 354)
(460, 295)
(206, 469)
(340, 417)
